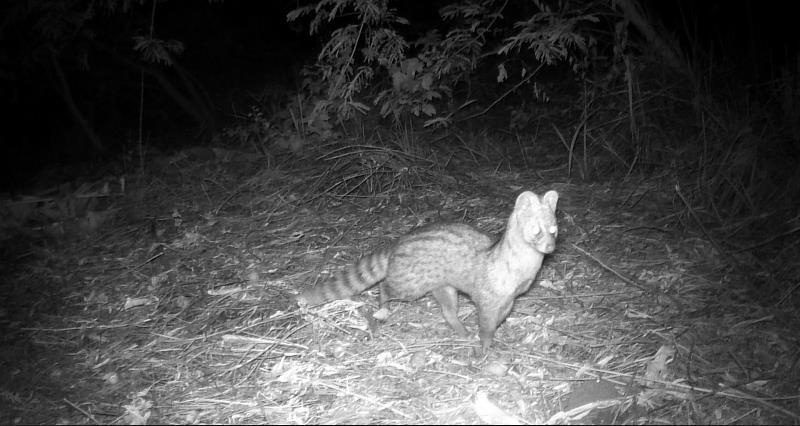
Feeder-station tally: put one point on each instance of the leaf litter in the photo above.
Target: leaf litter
(181, 310)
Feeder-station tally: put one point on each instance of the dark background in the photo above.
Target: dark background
(239, 49)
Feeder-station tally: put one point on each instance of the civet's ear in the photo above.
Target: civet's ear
(526, 200)
(550, 199)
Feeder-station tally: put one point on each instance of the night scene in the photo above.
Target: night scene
(399, 212)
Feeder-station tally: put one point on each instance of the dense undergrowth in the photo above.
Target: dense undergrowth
(602, 91)
(168, 295)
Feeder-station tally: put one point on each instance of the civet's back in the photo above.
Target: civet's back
(442, 258)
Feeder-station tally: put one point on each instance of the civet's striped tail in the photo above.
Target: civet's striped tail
(352, 280)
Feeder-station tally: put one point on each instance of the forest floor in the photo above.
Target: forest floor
(171, 300)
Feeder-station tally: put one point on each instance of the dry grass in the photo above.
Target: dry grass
(182, 312)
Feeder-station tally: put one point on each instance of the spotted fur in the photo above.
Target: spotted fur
(444, 258)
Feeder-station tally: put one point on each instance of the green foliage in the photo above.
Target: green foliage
(366, 40)
(551, 36)
(346, 61)
(157, 50)
(412, 90)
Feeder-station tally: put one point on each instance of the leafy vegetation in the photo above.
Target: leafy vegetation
(627, 114)
(156, 283)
